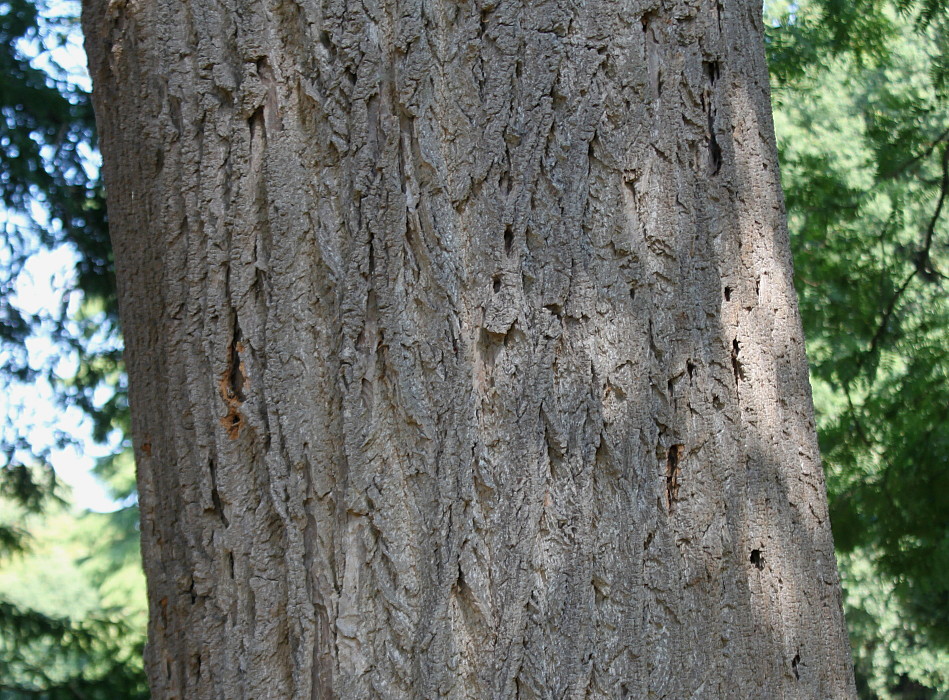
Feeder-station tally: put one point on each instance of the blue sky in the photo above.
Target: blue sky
(41, 290)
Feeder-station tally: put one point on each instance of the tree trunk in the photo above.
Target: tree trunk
(463, 353)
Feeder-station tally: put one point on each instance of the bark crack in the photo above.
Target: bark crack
(673, 471)
(231, 385)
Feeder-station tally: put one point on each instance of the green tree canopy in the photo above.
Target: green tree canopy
(861, 98)
(52, 198)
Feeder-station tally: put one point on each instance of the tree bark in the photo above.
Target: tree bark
(463, 353)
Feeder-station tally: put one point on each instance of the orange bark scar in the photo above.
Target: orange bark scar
(231, 388)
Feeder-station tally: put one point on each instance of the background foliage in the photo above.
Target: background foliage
(71, 589)
(861, 90)
(860, 96)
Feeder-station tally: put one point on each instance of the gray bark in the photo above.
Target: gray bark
(463, 352)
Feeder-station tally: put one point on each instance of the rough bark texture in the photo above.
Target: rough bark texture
(464, 358)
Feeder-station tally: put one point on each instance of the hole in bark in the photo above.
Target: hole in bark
(714, 154)
(518, 69)
(795, 662)
(497, 283)
(174, 105)
(690, 368)
(230, 564)
(737, 368)
(232, 422)
(712, 70)
(756, 559)
(231, 385)
(328, 45)
(673, 467)
(236, 376)
(728, 293)
(508, 240)
(632, 293)
(646, 20)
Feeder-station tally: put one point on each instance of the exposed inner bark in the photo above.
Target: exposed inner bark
(464, 358)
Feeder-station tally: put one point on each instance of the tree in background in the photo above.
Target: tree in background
(72, 610)
(52, 198)
(861, 111)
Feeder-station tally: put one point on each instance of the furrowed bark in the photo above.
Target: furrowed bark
(463, 353)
